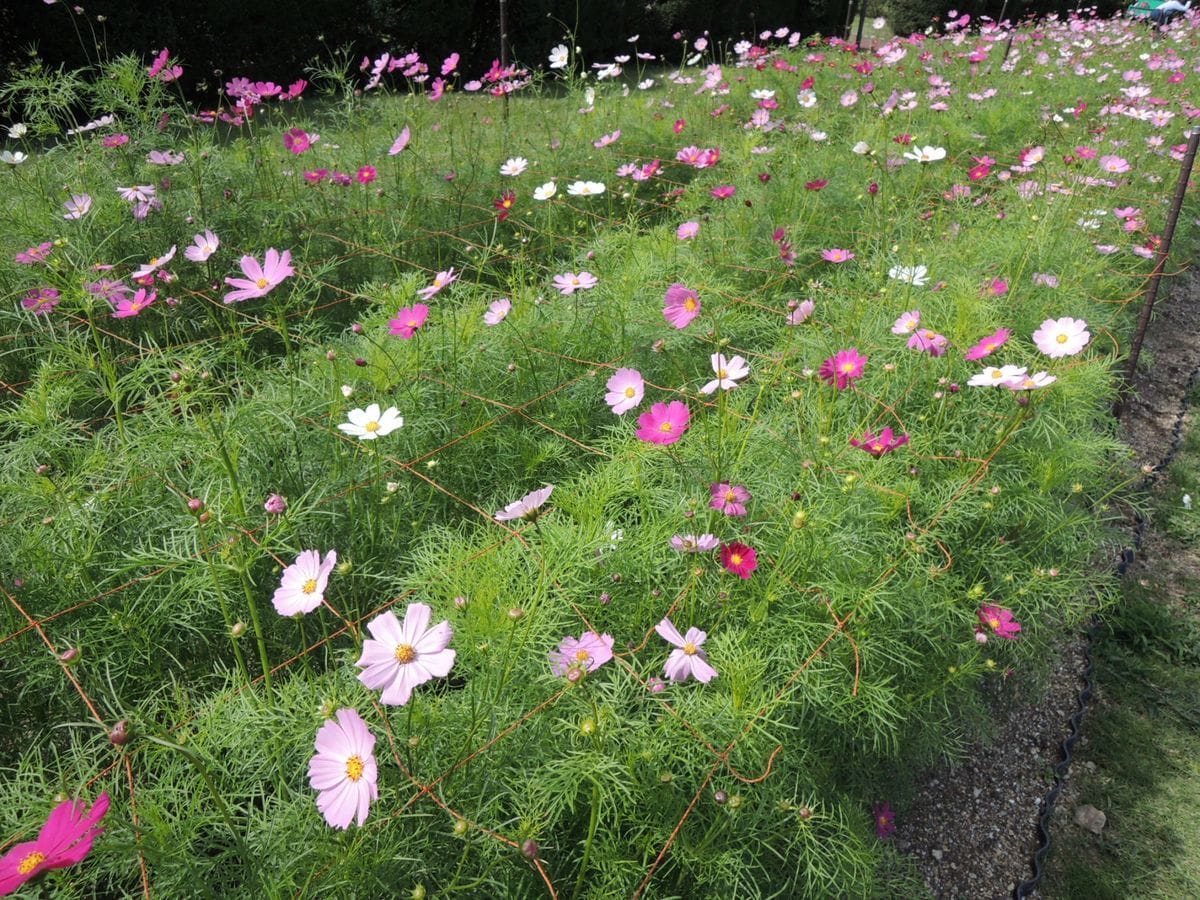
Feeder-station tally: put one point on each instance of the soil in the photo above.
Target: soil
(972, 828)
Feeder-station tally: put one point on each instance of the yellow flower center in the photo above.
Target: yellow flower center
(847, 367)
(997, 374)
(310, 586)
(372, 426)
(666, 427)
(582, 655)
(405, 654)
(630, 392)
(730, 496)
(413, 323)
(722, 374)
(135, 306)
(261, 283)
(354, 768)
(735, 558)
(30, 862)
(154, 261)
(994, 622)
(877, 447)
(689, 648)
(989, 346)
(1062, 338)
(689, 304)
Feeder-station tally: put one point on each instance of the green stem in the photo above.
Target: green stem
(110, 375)
(593, 822)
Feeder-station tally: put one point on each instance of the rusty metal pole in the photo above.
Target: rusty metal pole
(1185, 174)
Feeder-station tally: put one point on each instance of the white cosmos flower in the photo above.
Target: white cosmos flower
(13, 159)
(914, 275)
(514, 166)
(559, 57)
(545, 192)
(862, 148)
(926, 154)
(368, 424)
(992, 376)
(585, 188)
(17, 130)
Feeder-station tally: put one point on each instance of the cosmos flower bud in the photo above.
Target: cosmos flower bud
(237, 629)
(516, 613)
(120, 735)
(43, 469)
(530, 849)
(461, 827)
(195, 504)
(276, 505)
(720, 797)
(70, 656)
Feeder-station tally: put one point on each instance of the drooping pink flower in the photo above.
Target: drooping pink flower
(1062, 337)
(878, 445)
(680, 305)
(497, 311)
(988, 345)
(296, 140)
(665, 423)
(740, 559)
(570, 282)
(728, 371)
(928, 341)
(586, 653)
(691, 543)
(801, 313)
(64, 840)
(402, 656)
(723, 191)
(260, 280)
(344, 772)
(35, 255)
(203, 246)
(127, 306)
(837, 255)
(885, 820)
(401, 141)
(440, 280)
(999, 621)
(688, 659)
(302, 585)
(842, 368)
(687, 231)
(408, 320)
(40, 301)
(626, 388)
(728, 498)
(527, 507)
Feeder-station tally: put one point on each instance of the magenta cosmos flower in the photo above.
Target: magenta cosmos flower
(723, 191)
(260, 280)
(728, 372)
(928, 341)
(402, 656)
(728, 498)
(878, 445)
(35, 255)
(1062, 337)
(408, 320)
(626, 388)
(740, 559)
(885, 820)
(999, 621)
(65, 839)
(687, 660)
(343, 772)
(570, 282)
(836, 255)
(527, 507)
(40, 301)
(440, 280)
(296, 140)
(680, 305)
(302, 587)
(127, 306)
(842, 368)
(665, 423)
(586, 653)
(988, 345)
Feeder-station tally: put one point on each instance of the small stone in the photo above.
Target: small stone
(978, 791)
(936, 853)
(1087, 816)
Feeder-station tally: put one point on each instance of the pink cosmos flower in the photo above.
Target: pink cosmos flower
(164, 158)
(344, 772)
(505, 204)
(1114, 165)
(78, 206)
(842, 368)
(885, 820)
(302, 585)
(907, 323)
(1045, 279)
(402, 656)
(928, 341)
(449, 64)
(728, 498)
(127, 306)
(115, 140)
(680, 305)
(665, 423)
(626, 388)
(497, 312)
(988, 345)
(1062, 337)
(401, 142)
(570, 282)
(260, 279)
(801, 313)
(203, 246)
(296, 140)
(607, 139)
(837, 255)
(527, 507)
(1030, 382)
(276, 505)
(687, 231)
(1000, 621)
(154, 264)
(64, 840)
(691, 543)
(740, 559)
(878, 445)
(687, 660)
(728, 373)
(35, 255)
(40, 301)
(997, 287)
(365, 174)
(408, 320)
(441, 280)
(586, 653)
(723, 192)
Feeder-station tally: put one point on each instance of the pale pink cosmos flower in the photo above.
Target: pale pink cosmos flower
(151, 267)
(570, 282)
(441, 280)
(78, 206)
(691, 543)
(687, 231)
(680, 305)
(928, 341)
(497, 311)
(907, 323)
(64, 840)
(514, 167)
(607, 139)
(164, 158)
(1062, 337)
(302, 585)
(1031, 382)
(527, 507)
(260, 279)
(344, 772)
(408, 320)
(836, 255)
(127, 306)
(728, 373)
(203, 246)
(804, 309)
(401, 142)
(1114, 165)
(664, 423)
(687, 660)
(626, 388)
(403, 656)
(586, 653)
(728, 498)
